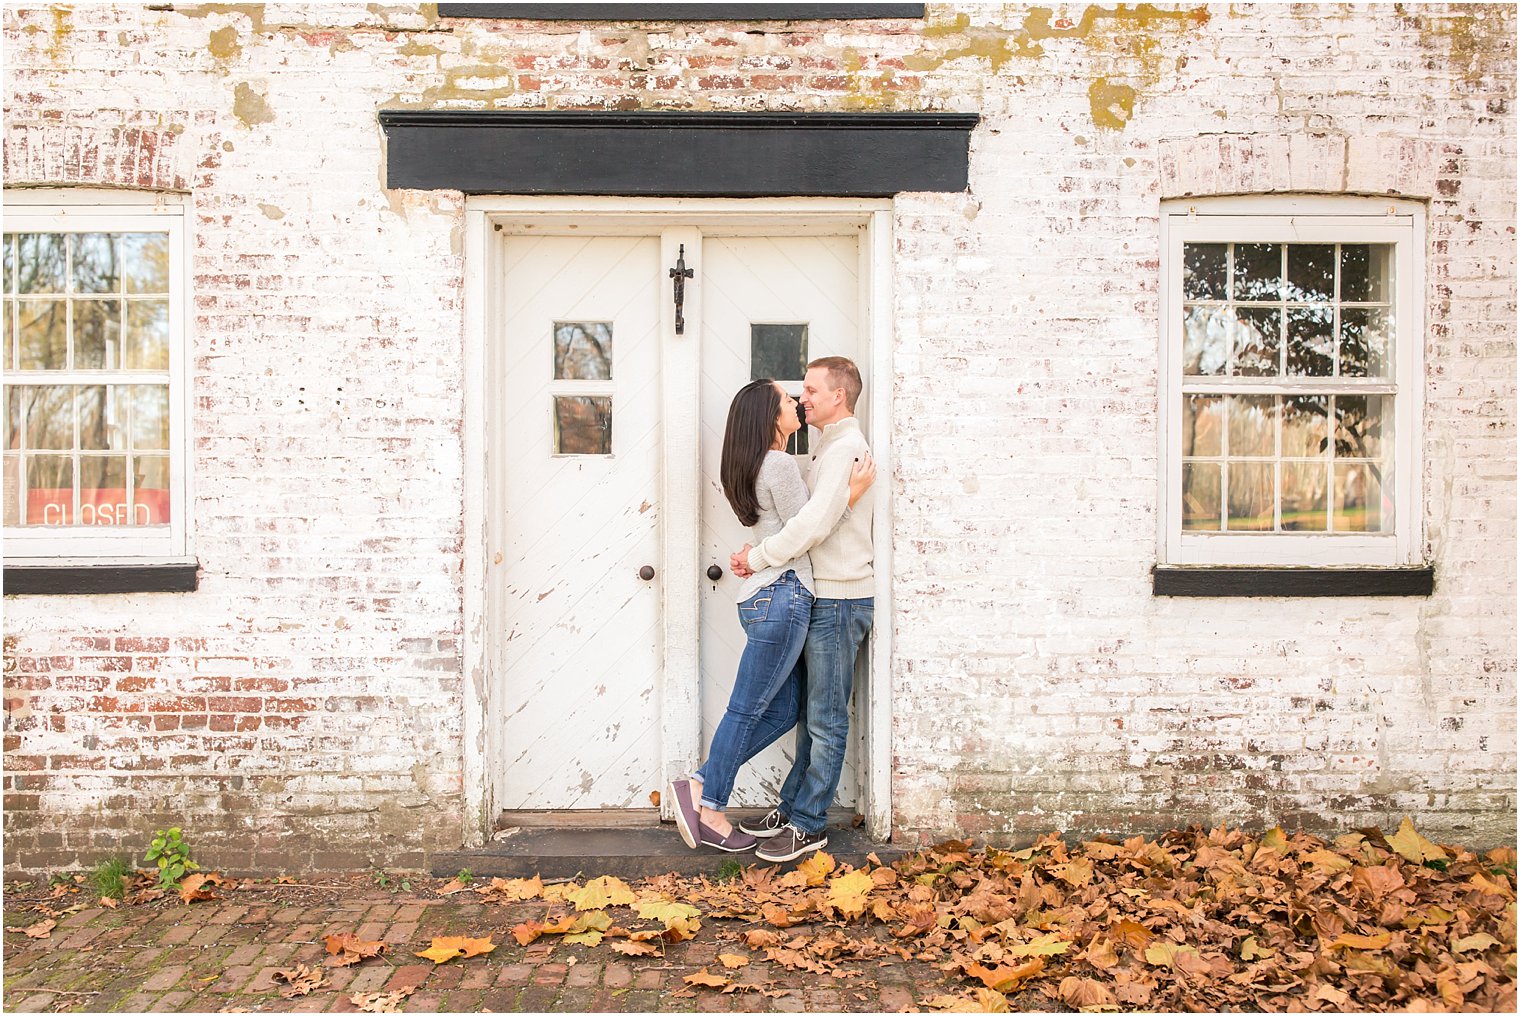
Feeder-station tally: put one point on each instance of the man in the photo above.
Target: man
(842, 612)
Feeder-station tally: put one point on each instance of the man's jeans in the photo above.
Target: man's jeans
(763, 704)
(835, 634)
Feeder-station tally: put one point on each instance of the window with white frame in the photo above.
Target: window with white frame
(1291, 397)
(94, 390)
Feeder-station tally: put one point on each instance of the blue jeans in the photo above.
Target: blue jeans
(763, 704)
(836, 632)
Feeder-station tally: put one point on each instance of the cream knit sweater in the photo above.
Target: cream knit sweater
(841, 556)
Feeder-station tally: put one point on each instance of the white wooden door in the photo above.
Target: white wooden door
(770, 305)
(580, 398)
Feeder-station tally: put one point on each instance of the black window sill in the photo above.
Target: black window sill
(45, 580)
(1174, 580)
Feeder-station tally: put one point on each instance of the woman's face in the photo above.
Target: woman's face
(787, 423)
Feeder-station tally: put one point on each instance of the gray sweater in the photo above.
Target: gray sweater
(781, 493)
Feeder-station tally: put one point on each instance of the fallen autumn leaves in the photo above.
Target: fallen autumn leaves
(1193, 920)
(1190, 920)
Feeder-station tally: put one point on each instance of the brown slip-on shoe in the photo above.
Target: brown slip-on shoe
(688, 817)
(735, 842)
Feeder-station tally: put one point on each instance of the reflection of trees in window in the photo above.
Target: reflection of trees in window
(1258, 272)
(67, 297)
(583, 351)
(41, 262)
(97, 267)
(583, 425)
(1306, 293)
(145, 262)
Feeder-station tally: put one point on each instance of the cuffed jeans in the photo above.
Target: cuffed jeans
(763, 704)
(835, 634)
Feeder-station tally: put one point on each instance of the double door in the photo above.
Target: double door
(617, 648)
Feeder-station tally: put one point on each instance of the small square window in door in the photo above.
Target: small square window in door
(780, 352)
(582, 425)
(582, 351)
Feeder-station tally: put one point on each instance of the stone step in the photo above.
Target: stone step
(628, 853)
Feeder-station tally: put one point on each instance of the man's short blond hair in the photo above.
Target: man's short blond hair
(842, 374)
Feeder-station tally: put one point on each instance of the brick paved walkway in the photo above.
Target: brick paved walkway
(167, 956)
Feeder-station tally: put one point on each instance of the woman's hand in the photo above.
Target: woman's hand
(862, 475)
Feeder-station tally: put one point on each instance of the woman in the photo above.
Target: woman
(765, 488)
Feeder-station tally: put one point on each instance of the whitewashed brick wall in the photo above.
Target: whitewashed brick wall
(304, 706)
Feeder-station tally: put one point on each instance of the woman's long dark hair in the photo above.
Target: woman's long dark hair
(749, 435)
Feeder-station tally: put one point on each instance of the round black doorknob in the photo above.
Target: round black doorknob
(646, 573)
(714, 572)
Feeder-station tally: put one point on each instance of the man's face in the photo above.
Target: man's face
(825, 405)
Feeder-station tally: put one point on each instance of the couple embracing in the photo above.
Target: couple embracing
(806, 606)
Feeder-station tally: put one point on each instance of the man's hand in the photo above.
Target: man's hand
(862, 475)
(738, 562)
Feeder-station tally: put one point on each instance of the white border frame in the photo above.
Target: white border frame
(83, 209)
(1325, 219)
(486, 219)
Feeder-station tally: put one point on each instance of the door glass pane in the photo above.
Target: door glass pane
(1364, 342)
(1304, 496)
(1311, 272)
(97, 334)
(145, 262)
(778, 351)
(582, 425)
(40, 263)
(1203, 271)
(1200, 495)
(95, 266)
(1258, 271)
(150, 416)
(43, 334)
(1258, 337)
(1366, 272)
(103, 490)
(582, 351)
(1205, 340)
(49, 411)
(10, 263)
(102, 419)
(49, 490)
(1251, 496)
(147, 341)
(1311, 341)
(150, 494)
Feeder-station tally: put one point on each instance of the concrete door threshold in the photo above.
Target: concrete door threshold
(637, 852)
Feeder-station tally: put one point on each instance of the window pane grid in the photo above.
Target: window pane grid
(1279, 340)
(1239, 475)
(79, 455)
(86, 301)
(1251, 305)
(85, 311)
